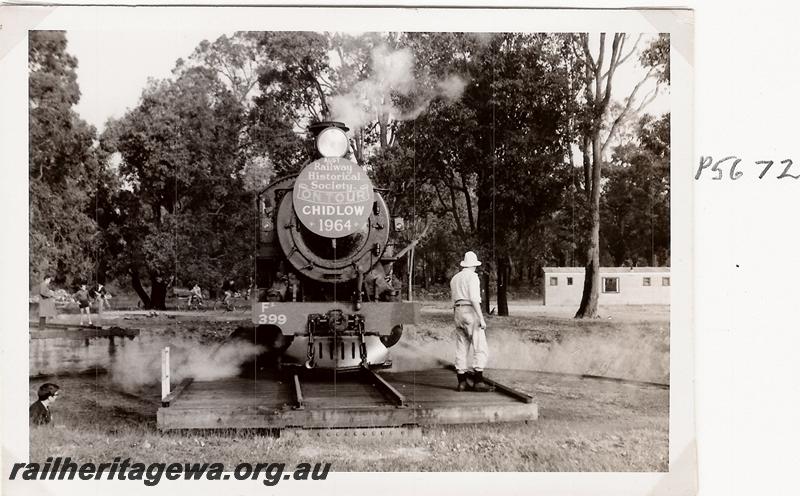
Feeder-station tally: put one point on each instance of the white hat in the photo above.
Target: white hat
(470, 260)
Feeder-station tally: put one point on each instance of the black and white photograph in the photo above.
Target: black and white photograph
(376, 241)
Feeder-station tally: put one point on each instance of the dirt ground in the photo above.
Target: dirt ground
(585, 424)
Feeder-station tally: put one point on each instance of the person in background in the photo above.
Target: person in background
(465, 290)
(229, 290)
(39, 411)
(102, 296)
(196, 296)
(47, 304)
(83, 297)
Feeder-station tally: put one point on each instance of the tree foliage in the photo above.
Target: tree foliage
(636, 197)
(494, 161)
(63, 165)
(508, 144)
(187, 214)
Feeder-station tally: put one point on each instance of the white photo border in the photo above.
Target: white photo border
(681, 478)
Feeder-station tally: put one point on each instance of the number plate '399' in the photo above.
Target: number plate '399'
(272, 318)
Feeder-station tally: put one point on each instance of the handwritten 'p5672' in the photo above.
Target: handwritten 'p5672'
(732, 165)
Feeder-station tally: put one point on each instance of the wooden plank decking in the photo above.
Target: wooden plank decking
(346, 402)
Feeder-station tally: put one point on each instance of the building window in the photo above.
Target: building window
(611, 285)
(645, 281)
(569, 281)
(665, 281)
(554, 281)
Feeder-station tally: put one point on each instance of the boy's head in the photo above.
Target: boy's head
(48, 391)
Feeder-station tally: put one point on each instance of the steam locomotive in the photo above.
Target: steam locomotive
(326, 247)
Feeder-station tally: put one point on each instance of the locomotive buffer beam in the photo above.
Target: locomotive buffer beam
(389, 391)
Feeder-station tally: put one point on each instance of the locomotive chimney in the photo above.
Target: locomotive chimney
(317, 127)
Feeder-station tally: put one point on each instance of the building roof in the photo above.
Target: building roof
(606, 270)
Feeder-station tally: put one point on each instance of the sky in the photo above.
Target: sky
(114, 66)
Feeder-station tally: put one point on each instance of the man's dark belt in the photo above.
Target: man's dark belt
(462, 303)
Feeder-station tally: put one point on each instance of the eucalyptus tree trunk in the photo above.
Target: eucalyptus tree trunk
(591, 283)
(503, 278)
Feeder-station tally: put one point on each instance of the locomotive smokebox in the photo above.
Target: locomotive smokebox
(333, 227)
(333, 247)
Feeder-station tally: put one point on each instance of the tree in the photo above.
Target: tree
(298, 77)
(63, 165)
(360, 93)
(493, 161)
(185, 215)
(293, 84)
(635, 203)
(597, 88)
(236, 60)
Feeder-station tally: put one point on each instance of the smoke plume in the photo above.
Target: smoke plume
(138, 363)
(392, 74)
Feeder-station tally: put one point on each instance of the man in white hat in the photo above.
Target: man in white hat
(465, 290)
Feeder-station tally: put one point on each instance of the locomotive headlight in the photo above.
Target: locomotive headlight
(332, 142)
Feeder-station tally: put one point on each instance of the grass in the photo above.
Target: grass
(584, 425)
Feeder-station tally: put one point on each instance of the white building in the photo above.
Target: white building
(618, 285)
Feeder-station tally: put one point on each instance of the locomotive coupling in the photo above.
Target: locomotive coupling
(335, 322)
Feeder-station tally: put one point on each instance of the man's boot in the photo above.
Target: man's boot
(479, 386)
(462, 383)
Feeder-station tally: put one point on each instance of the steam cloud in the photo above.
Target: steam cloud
(392, 74)
(627, 354)
(452, 87)
(138, 363)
